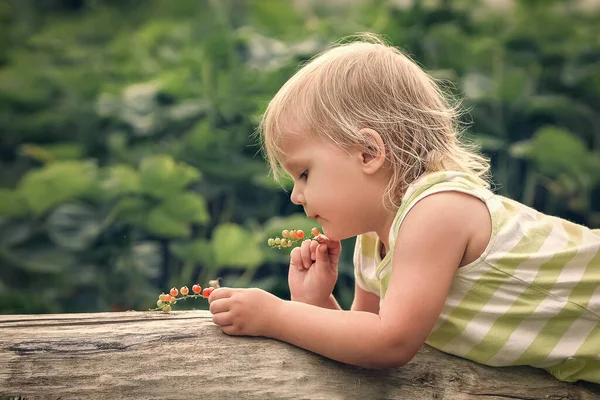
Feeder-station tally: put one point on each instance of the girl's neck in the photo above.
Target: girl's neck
(384, 231)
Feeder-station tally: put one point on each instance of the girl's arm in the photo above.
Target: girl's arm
(429, 248)
(365, 301)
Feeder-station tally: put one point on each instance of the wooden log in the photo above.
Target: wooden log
(148, 355)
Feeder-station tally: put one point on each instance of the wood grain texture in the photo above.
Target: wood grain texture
(149, 355)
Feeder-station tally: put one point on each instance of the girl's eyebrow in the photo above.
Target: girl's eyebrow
(293, 163)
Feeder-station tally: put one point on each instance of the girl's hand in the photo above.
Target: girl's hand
(248, 312)
(314, 270)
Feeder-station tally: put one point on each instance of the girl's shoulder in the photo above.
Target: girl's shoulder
(437, 182)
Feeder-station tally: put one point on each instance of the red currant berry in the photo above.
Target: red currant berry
(184, 290)
(207, 291)
(174, 292)
(167, 298)
(196, 288)
(300, 234)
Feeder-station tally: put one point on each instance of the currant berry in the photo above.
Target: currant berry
(284, 242)
(207, 291)
(271, 242)
(196, 288)
(315, 232)
(278, 241)
(174, 292)
(285, 233)
(166, 308)
(300, 234)
(294, 235)
(161, 297)
(167, 298)
(159, 303)
(184, 290)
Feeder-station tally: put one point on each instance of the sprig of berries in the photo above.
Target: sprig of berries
(291, 237)
(166, 301)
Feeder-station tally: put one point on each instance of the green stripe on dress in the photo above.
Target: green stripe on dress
(480, 294)
(526, 304)
(590, 346)
(590, 281)
(367, 246)
(558, 325)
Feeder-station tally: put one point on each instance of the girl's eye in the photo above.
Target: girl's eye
(304, 175)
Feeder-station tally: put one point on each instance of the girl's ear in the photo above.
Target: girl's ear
(373, 154)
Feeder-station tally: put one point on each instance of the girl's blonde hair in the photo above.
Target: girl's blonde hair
(368, 84)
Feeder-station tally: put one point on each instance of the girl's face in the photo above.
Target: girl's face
(332, 186)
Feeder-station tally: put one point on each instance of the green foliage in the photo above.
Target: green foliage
(58, 182)
(160, 176)
(235, 246)
(128, 165)
(11, 203)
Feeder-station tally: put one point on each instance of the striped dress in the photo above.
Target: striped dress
(532, 297)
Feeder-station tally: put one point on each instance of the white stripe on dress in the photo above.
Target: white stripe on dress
(528, 329)
(506, 295)
(571, 340)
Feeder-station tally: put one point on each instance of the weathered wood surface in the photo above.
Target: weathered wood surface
(149, 355)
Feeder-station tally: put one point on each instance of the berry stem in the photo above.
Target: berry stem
(167, 303)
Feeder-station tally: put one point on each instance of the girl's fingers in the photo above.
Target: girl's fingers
(219, 306)
(296, 258)
(313, 250)
(222, 319)
(305, 251)
(220, 293)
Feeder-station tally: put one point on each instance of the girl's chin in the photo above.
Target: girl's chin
(333, 234)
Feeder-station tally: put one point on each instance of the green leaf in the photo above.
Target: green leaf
(188, 207)
(521, 149)
(162, 224)
(514, 85)
(201, 138)
(477, 86)
(276, 17)
(120, 179)
(11, 203)
(489, 143)
(132, 209)
(73, 226)
(53, 152)
(58, 182)
(161, 176)
(14, 232)
(47, 260)
(556, 151)
(144, 259)
(197, 251)
(234, 246)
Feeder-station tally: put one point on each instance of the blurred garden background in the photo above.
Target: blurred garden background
(127, 164)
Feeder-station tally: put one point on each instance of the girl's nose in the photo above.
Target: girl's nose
(296, 197)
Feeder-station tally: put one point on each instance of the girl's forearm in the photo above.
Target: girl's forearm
(351, 337)
(331, 303)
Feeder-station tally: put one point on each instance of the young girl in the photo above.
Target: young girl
(372, 146)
